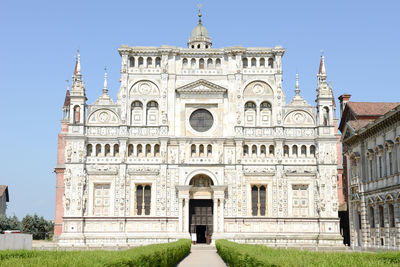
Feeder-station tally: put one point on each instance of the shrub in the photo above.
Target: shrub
(158, 255)
(235, 254)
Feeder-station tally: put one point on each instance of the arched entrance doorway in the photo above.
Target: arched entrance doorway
(201, 208)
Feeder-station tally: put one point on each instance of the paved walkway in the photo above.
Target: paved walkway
(202, 255)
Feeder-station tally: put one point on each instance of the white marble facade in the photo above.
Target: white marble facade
(201, 123)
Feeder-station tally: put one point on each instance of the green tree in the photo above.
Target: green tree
(9, 223)
(37, 226)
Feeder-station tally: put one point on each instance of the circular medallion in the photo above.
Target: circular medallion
(144, 89)
(201, 120)
(103, 117)
(258, 89)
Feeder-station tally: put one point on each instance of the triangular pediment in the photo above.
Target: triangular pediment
(201, 87)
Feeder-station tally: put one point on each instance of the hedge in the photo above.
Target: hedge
(168, 254)
(245, 255)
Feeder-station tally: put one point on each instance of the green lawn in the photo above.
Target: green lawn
(244, 255)
(152, 255)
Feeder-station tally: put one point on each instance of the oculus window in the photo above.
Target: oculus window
(201, 120)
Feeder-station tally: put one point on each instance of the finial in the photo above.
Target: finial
(78, 63)
(297, 91)
(105, 89)
(67, 81)
(199, 14)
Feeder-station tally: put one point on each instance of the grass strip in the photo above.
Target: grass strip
(245, 255)
(168, 254)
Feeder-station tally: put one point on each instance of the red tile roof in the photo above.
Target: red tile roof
(4, 189)
(371, 108)
(357, 125)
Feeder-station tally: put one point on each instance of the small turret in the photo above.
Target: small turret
(78, 94)
(199, 38)
(325, 100)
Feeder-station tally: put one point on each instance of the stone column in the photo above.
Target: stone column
(221, 215)
(186, 215)
(215, 217)
(377, 226)
(387, 225)
(364, 224)
(180, 213)
(397, 223)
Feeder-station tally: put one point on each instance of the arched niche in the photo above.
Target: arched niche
(103, 116)
(201, 172)
(299, 118)
(144, 88)
(258, 89)
(201, 180)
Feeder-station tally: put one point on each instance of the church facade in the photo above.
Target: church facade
(199, 141)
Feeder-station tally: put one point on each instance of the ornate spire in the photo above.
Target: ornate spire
(67, 99)
(105, 89)
(322, 70)
(297, 99)
(297, 91)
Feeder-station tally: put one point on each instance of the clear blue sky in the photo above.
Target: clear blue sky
(38, 39)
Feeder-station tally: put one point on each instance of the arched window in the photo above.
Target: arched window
(116, 150)
(312, 150)
(254, 150)
(193, 63)
(294, 150)
(263, 200)
(98, 150)
(209, 63)
(381, 216)
(271, 150)
(192, 46)
(218, 63)
(140, 62)
(271, 63)
(139, 199)
(143, 199)
(139, 150)
(77, 114)
(391, 215)
(371, 217)
(147, 199)
(253, 62)
(148, 150)
(89, 150)
(158, 62)
(245, 62)
(201, 151)
(245, 150)
(137, 113)
(303, 150)
(265, 113)
(131, 62)
(184, 62)
(286, 151)
(107, 150)
(254, 200)
(152, 113)
(209, 151)
(262, 62)
(325, 116)
(130, 150)
(149, 61)
(198, 46)
(193, 150)
(201, 63)
(263, 151)
(250, 113)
